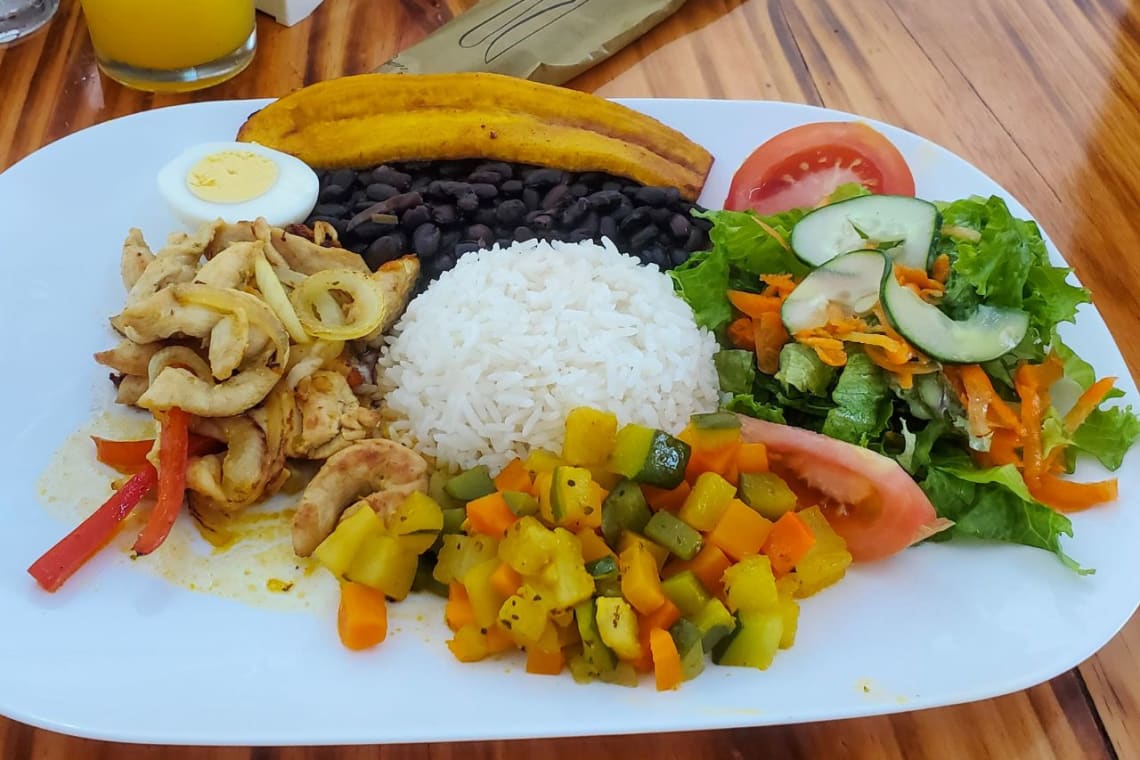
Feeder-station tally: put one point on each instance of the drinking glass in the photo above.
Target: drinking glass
(171, 45)
(21, 18)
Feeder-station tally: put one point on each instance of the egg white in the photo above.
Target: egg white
(288, 201)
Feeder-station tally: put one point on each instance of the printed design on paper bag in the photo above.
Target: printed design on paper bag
(503, 31)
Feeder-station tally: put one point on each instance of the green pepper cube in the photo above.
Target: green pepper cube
(590, 436)
(624, 509)
(767, 493)
(669, 531)
(715, 622)
(686, 591)
(521, 504)
(470, 484)
(603, 567)
(707, 502)
(754, 643)
(687, 638)
(650, 456)
(437, 489)
(750, 585)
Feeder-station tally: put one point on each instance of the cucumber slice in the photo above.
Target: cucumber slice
(987, 334)
(901, 226)
(851, 281)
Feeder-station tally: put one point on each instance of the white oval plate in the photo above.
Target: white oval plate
(120, 654)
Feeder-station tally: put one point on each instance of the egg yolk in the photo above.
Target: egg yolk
(232, 176)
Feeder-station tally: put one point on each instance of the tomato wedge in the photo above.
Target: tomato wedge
(802, 167)
(867, 498)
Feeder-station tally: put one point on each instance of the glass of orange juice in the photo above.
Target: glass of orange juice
(171, 45)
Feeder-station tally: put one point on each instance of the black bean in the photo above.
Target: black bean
(332, 193)
(672, 196)
(665, 239)
(364, 178)
(359, 206)
(542, 222)
(511, 187)
(607, 227)
(523, 233)
(485, 191)
(655, 255)
(650, 196)
(346, 178)
(462, 248)
(334, 210)
(504, 242)
(605, 200)
(485, 176)
(357, 194)
(389, 176)
(620, 213)
(378, 191)
(660, 216)
(449, 240)
(385, 248)
(701, 223)
(575, 213)
(592, 179)
(503, 169)
(468, 203)
(555, 196)
(613, 185)
(577, 236)
(435, 189)
(486, 216)
(420, 184)
(403, 202)
(634, 220)
(590, 223)
(444, 214)
(426, 240)
(370, 230)
(543, 178)
(678, 256)
(416, 216)
(415, 166)
(578, 190)
(643, 237)
(679, 225)
(511, 212)
(629, 190)
(445, 261)
(697, 240)
(451, 169)
(480, 233)
(531, 198)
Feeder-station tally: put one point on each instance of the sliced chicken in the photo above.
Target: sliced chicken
(135, 259)
(329, 416)
(294, 251)
(382, 471)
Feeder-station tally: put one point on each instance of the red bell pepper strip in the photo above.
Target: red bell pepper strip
(62, 560)
(124, 456)
(173, 453)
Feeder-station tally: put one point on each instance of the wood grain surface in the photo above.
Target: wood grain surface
(1043, 95)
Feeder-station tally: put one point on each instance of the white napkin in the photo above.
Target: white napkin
(288, 12)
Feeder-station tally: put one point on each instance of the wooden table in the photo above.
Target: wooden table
(1044, 95)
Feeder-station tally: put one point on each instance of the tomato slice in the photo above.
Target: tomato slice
(802, 166)
(867, 498)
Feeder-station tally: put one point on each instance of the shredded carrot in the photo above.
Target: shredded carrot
(768, 338)
(897, 351)
(362, 618)
(1025, 381)
(981, 400)
(490, 515)
(788, 541)
(1067, 496)
(780, 285)
(829, 350)
(666, 660)
(753, 304)
(1088, 402)
(918, 277)
(741, 333)
(1004, 445)
(940, 271)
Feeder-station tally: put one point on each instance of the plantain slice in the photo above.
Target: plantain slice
(370, 119)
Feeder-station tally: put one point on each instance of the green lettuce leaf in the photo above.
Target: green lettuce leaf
(1107, 434)
(742, 236)
(746, 404)
(862, 402)
(703, 282)
(994, 504)
(846, 191)
(916, 454)
(802, 369)
(735, 370)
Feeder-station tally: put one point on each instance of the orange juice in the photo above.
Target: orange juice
(166, 35)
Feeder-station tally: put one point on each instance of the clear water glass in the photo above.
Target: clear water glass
(19, 19)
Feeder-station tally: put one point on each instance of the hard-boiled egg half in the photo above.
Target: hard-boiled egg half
(237, 181)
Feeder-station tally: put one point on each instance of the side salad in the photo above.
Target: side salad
(925, 331)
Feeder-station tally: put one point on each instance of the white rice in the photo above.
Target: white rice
(488, 361)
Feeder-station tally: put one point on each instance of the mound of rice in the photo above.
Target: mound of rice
(487, 362)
